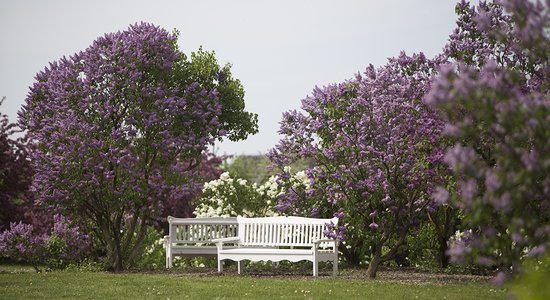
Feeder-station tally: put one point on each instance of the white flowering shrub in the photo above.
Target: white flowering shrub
(227, 196)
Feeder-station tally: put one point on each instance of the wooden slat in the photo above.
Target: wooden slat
(277, 230)
(262, 234)
(292, 234)
(308, 234)
(258, 235)
(282, 231)
(304, 234)
(269, 235)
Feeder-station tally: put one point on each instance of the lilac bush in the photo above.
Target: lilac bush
(494, 99)
(124, 125)
(61, 245)
(15, 173)
(21, 243)
(66, 243)
(376, 154)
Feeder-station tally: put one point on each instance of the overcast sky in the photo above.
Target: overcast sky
(280, 50)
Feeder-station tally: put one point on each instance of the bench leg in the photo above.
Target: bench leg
(239, 267)
(335, 263)
(315, 268)
(220, 265)
(168, 262)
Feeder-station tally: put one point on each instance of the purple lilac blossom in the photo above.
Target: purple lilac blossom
(495, 98)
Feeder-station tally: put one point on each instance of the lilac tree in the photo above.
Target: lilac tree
(15, 173)
(122, 126)
(375, 149)
(496, 105)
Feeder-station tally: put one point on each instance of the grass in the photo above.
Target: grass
(22, 283)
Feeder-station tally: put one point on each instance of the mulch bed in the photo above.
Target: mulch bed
(402, 275)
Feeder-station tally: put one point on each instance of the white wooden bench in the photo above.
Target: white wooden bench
(280, 238)
(192, 237)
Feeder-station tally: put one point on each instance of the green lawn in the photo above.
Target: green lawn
(18, 283)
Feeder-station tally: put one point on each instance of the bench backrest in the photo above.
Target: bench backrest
(282, 231)
(201, 230)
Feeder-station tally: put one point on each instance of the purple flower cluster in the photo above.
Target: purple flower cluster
(76, 243)
(494, 97)
(20, 242)
(333, 232)
(62, 243)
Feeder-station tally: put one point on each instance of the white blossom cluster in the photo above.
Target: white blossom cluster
(460, 236)
(227, 196)
(217, 204)
(270, 188)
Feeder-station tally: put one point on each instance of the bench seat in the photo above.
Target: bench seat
(272, 254)
(193, 251)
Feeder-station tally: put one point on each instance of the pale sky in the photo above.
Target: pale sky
(280, 50)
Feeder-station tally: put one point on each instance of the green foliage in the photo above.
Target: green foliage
(253, 168)
(203, 67)
(153, 256)
(422, 247)
(533, 282)
(55, 248)
(256, 168)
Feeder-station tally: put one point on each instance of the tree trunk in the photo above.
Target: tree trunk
(442, 258)
(123, 248)
(138, 245)
(444, 230)
(374, 264)
(113, 256)
(111, 239)
(108, 241)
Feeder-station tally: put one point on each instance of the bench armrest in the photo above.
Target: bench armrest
(228, 240)
(233, 239)
(325, 241)
(316, 243)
